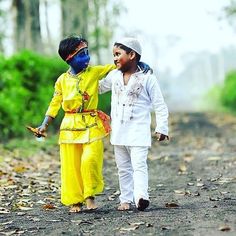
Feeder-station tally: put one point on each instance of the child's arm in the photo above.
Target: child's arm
(53, 108)
(44, 126)
(160, 109)
(104, 70)
(105, 84)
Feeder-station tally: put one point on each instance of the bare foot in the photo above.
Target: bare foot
(76, 208)
(124, 207)
(90, 202)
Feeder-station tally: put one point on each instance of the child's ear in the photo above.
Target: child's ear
(132, 55)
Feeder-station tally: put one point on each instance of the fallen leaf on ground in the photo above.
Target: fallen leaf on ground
(40, 202)
(213, 158)
(225, 180)
(188, 158)
(180, 192)
(19, 169)
(214, 199)
(224, 228)
(172, 204)
(76, 221)
(129, 228)
(182, 168)
(13, 232)
(224, 193)
(4, 211)
(7, 223)
(137, 223)
(149, 225)
(48, 206)
(23, 208)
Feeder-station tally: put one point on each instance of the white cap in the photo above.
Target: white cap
(132, 43)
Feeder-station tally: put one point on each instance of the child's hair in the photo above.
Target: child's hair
(128, 50)
(69, 45)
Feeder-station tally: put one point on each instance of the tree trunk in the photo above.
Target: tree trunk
(36, 40)
(27, 25)
(74, 17)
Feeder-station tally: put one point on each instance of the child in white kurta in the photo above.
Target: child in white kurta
(132, 102)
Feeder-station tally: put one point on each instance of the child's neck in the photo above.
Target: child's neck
(127, 74)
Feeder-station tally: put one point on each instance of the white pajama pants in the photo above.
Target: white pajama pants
(132, 167)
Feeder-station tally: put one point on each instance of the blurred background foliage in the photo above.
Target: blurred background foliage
(30, 69)
(228, 93)
(26, 88)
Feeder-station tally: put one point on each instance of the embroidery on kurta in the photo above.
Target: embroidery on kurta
(127, 95)
(84, 94)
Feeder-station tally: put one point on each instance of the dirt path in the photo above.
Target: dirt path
(192, 187)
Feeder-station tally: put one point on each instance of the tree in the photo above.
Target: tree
(102, 16)
(230, 12)
(27, 25)
(74, 17)
(93, 19)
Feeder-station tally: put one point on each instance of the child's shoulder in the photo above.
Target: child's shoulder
(148, 76)
(62, 76)
(150, 79)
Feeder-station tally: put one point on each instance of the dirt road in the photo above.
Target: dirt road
(192, 187)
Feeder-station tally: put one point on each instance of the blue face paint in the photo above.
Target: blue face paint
(80, 61)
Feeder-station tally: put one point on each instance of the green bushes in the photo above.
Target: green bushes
(228, 96)
(26, 87)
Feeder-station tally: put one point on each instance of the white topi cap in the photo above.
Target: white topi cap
(132, 43)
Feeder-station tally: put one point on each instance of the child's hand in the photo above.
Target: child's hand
(36, 132)
(41, 130)
(161, 137)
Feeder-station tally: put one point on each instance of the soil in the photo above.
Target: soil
(192, 180)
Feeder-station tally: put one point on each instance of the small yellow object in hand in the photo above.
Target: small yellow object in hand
(36, 132)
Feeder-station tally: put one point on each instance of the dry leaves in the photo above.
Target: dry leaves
(113, 196)
(49, 206)
(224, 228)
(20, 177)
(171, 205)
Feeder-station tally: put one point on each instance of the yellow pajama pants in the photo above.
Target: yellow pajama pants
(81, 171)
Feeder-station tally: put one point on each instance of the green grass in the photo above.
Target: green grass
(29, 146)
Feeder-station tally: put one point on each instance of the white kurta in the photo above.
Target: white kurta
(131, 107)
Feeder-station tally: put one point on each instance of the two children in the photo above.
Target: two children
(134, 94)
(83, 126)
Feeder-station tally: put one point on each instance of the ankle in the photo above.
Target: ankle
(90, 198)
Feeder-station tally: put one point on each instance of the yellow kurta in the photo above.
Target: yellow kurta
(81, 148)
(77, 127)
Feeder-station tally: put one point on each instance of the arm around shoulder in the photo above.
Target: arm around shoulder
(105, 84)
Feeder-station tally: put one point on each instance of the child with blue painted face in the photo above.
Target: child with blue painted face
(83, 126)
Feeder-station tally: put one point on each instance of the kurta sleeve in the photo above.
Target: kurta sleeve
(105, 84)
(159, 106)
(56, 101)
(104, 70)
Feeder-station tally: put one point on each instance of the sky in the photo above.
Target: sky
(168, 29)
